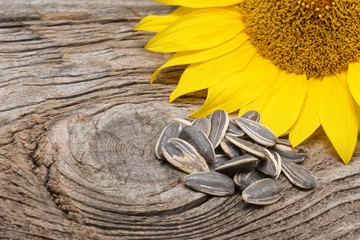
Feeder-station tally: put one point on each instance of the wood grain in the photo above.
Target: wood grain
(78, 124)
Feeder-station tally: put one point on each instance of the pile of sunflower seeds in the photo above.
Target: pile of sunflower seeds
(219, 153)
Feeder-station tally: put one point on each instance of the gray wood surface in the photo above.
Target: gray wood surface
(78, 124)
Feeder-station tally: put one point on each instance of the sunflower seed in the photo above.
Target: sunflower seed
(245, 179)
(239, 176)
(219, 160)
(230, 149)
(203, 124)
(199, 141)
(247, 146)
(243, 154)
(284, 141)
(245, 163)
(298, 175)
(252, 115)
(184, 156)
(269, 165)
(294, 160)
(234, 130)
(219, 124)
(259, 133)
(183, 121)
(279, 164)
(212, 183)
(296, 155)
(172, 130)
(263, 192)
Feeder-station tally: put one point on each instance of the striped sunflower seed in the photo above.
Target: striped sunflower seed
(263, 192)
(259, 133)
(294, 160)
(252, 115)
(296, 155)
(247, 146)
(269, 165)
(172, 130)
(219, 124)
(234, 130)
(199, 141)
(245, 179)
(284, 141)
(298, 175)
(183, 121)
(230, 149)
(279, 163)
(203, 124)
(184, 156)
(244, 163)
(220, 159)
(212, 183)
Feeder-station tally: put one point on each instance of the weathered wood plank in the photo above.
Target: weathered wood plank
(78, 123)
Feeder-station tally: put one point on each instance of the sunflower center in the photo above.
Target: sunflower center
(313, 37)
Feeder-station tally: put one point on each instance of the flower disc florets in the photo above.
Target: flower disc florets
(316, 38)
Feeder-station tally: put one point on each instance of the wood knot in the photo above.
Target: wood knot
(107, 162)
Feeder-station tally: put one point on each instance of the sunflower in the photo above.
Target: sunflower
(296, 62)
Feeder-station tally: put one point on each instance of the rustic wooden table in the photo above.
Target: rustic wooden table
(78, 124)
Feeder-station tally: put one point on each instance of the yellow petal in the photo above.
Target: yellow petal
(354, 80)
(239, 89)
(280, 106)
(153, 23)
(200, 29)
(308, 120)
(337, 116)
(357, 112)
(188, 57)
(200, 3)
(206, 74)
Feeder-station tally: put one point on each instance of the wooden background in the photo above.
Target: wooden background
(78, 124)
